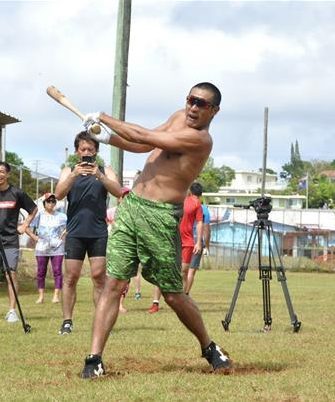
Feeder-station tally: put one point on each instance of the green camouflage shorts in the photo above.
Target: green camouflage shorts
(147, 232)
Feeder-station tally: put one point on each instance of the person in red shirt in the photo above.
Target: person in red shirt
(193, 215)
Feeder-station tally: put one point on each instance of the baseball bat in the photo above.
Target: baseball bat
(56, 95)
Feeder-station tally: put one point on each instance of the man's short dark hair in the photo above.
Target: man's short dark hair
(85, 136)
(6, 165)
(196, 189)
(212, 88)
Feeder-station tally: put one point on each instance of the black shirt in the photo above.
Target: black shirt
(86, 213)
(11, 200)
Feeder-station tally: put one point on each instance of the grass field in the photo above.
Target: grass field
(153, 358)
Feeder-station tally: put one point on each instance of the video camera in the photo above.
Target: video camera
(261, 205)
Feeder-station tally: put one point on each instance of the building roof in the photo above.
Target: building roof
(7, 119)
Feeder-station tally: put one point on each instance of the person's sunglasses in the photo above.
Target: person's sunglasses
(193, 100)
(51, 201)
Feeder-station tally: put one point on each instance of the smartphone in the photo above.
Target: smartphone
(88, 159)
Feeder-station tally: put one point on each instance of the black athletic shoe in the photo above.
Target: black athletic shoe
(66, 327)
(93, 368)
(216, 357)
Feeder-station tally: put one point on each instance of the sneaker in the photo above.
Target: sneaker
(93, 368)
(216, 357)
(11, 316)
(138, 296)
(66, 327)
(154, 308)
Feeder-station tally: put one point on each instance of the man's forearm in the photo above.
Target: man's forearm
(199, 230)
(26, 223)
(110, 185)
(207, 235)
(128, 131)
(65, 186)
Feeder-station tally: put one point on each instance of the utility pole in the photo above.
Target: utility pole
(2, 142)
(120, 77)
(265, 149)
(66, 155)
(37, 178)
(307, 189)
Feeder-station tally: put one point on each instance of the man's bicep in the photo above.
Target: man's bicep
(175, 141)
(64, 175)
(121, 143)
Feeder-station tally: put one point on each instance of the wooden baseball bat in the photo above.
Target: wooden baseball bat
(56, 95)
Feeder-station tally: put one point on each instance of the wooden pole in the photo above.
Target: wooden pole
(120, 77)
(265, 149)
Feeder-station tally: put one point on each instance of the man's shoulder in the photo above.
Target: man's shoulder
(13, 190)
(192, 202)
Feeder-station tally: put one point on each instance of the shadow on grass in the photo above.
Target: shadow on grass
(130, 365)
(139, 328)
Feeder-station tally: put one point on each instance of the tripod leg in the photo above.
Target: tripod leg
(280, 271)
(26, 327)
(266, 299)
(265, 274)
(241, 278)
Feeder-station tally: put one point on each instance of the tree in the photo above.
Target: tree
(321, 193)
(212, 178)
(20, 174)
(296, 168)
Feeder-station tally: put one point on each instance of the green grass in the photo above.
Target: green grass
(153, 358)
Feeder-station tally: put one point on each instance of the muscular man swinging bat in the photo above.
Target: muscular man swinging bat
(146, 228)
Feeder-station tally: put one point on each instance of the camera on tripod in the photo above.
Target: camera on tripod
(262, 206)
(262, 228)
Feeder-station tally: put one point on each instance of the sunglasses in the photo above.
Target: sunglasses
(193, 100)
(51, 201)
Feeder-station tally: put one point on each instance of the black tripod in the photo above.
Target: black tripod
(26, 326)
(263, 226)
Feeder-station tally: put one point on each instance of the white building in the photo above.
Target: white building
(251, 182)
(246, 187)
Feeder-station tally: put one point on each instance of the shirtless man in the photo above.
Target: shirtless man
(147, 226)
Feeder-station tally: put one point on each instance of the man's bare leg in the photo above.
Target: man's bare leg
(184, 272)
(98, 276)
(190, 279)
(71, 277)
(189, 314)
(106, 313)
(11, 295)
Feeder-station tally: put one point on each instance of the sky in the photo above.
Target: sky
(274, 54)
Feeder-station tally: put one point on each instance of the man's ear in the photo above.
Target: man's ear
(216, 109)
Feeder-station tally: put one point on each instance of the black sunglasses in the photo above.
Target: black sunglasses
(193, 100)
(51, 201)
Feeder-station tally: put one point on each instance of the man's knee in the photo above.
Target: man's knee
(114, 286)
(71, 277)
(99, 277)
(172, 299)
